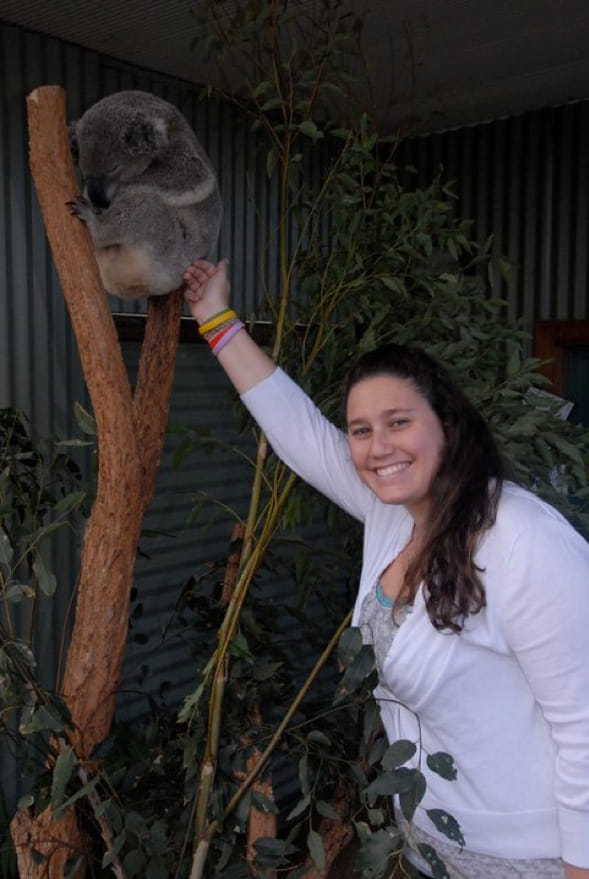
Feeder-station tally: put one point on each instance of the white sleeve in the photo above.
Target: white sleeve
(546, 616)
(307, 442)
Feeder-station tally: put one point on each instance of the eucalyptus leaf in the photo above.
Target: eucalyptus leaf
(62, 773)
(349, 645)
(45, 578)
(112, 854)
(357, 673)
(264, 804)
(326, 810)
(301, 806)
(446, 824)
(316, 850)
(46, 531)
(86, 422)
(390, 783)
(41, 719)
(271, 104)
(437, 866)
(442, 764)
(190, 703)
(398, 753)
(16, 592)
(266, 671)
(303, 775)
(261, 89)
(69, 502)
(83, 791)
(409, 800)
(6, 549)
(309, 128)
(318, 737)
(270, 163)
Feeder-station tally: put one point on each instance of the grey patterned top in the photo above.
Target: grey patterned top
(378, 624)
(379, 627)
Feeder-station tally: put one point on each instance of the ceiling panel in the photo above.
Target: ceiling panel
(433, 64)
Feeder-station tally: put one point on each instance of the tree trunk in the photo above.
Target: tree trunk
(130, 439)
(336, 836)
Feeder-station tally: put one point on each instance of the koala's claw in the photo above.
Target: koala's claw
(80, 207)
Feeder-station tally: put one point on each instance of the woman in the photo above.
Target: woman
(473, 592)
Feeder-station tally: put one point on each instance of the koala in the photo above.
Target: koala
(150, 200)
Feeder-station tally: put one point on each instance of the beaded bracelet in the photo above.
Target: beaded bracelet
(216, 320)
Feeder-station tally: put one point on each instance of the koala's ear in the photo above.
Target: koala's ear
(145, 136)
(73, 141)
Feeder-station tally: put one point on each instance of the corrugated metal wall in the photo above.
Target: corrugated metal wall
(524, 180)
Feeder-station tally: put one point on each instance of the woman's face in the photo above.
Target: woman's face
(396, 441)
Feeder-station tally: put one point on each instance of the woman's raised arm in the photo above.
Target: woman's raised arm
(207, 295)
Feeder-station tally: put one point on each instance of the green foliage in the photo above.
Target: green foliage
(40, 495)
(398, 265)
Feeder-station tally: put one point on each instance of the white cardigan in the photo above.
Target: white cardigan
(508, 697)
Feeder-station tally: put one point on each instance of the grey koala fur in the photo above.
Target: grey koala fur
(151, 199)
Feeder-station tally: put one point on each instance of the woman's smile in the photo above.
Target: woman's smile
(392, 469)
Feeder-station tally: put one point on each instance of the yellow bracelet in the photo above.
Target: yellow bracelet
(216, 320)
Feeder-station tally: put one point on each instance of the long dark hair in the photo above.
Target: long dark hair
(465, 491)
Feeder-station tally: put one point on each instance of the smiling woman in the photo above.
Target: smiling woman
(456, 595)
(396, 442)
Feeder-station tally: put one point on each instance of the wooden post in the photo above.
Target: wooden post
(130, 440)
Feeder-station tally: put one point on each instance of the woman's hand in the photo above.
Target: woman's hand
(207, 289)
(207, 294)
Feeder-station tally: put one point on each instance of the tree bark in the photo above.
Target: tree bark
(336, 836)
(130, 439)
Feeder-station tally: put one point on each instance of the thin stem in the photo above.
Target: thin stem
(251, 777)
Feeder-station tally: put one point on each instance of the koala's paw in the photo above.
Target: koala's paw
(80, 207)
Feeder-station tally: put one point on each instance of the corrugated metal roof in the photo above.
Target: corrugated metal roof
(431, 65)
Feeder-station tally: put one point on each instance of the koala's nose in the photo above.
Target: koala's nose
(96, 191)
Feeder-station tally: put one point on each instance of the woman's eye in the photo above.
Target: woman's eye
(360, 431)
(399, 422)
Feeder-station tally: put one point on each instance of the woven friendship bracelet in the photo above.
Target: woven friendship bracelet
(227, 336)
(214, 337)
(210, 334)
(216, 320)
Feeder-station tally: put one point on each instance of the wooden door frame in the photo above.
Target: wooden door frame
(552, 338)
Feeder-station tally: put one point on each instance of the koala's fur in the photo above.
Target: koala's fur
(151, 200)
